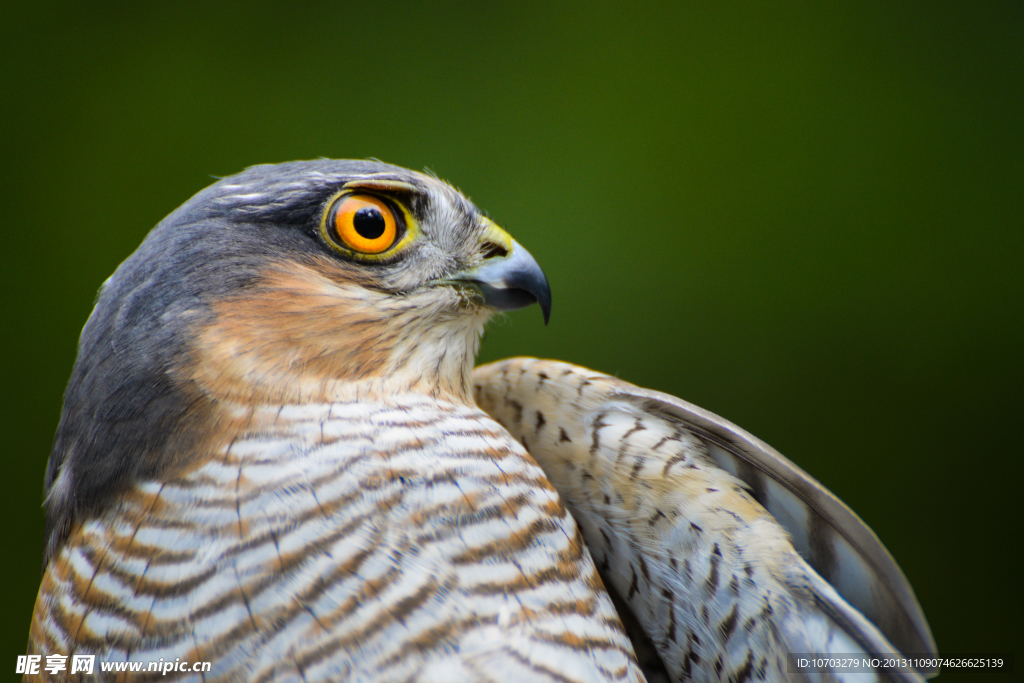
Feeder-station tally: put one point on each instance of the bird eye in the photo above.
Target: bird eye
(362, 223)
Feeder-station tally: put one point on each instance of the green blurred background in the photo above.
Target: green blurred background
(804, 217)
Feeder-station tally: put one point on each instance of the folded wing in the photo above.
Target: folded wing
(728, 555)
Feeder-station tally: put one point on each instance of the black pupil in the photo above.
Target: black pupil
(369, 223)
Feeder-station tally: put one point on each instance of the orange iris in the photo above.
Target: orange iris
(364, 223)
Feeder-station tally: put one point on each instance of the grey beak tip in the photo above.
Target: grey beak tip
(512, 282)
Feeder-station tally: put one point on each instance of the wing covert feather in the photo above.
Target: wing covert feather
(830, 536)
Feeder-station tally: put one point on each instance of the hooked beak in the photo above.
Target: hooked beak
(509, 281)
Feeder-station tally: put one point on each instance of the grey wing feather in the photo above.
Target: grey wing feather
(833, 539)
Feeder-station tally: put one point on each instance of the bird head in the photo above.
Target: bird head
(294, 282)
(317, 281)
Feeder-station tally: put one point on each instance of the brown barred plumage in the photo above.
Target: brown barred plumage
(407, 539)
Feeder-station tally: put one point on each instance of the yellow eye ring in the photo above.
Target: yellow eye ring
(362, 223)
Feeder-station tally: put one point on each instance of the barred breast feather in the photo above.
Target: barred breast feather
(402, 540)
(727, 554)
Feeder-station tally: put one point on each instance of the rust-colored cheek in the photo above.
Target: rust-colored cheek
(290, 338)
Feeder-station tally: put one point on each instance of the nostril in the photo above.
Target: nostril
(492, 250)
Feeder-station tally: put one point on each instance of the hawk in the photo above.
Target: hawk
(275, 456)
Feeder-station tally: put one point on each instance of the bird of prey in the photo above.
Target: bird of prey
(275, 457)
